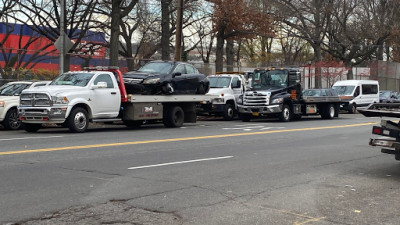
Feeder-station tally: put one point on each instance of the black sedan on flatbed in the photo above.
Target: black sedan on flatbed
(166, 77)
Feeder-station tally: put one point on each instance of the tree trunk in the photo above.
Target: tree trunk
(165, 33)
(219, 54)
(317, 58)
(114, 39)
(229, 55)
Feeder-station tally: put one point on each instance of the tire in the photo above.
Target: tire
(31, 127)
(352, 108)
(229, 112)
(174, 117)
(202, 89)
(328, 112)
(286, 114)
(133, 123)
(168, 89)
(78, 120)
(245, 117)
(11, 121)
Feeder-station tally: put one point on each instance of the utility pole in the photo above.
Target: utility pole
(179, 25)
(62, 36)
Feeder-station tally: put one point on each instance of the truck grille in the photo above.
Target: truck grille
(255, 99)
(35, 99)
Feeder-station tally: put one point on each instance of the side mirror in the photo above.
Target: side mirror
(99, 85)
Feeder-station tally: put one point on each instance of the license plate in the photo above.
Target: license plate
(255, 114)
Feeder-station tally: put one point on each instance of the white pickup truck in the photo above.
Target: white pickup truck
(227, 88)
(76, 98)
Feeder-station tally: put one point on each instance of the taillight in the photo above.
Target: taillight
(377, 130)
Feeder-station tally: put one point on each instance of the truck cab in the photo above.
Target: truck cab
(273, 91)
(277, 92)
(228, 88)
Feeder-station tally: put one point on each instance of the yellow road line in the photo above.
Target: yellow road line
(176, 139)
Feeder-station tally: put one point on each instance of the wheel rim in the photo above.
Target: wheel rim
(14, 121)
(80, 120)
(286, 113)
(229, 112)
(331, 111)
(177, 117)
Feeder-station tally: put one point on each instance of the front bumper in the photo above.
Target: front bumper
(257, 110)
(42, 114)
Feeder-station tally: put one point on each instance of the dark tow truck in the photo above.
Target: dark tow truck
(277, 92)
(389, 129)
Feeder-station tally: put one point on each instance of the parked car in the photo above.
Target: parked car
(357, 93)
(320, 92)
(388, 96)
(9, 101)
(166, 77)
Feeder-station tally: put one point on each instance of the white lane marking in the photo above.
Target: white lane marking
(181, 162)
(251, 127)
(24, 138)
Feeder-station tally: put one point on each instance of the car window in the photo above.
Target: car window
(235, 82)
(104, 78)
(12, 89)
(180, 69)
(369, 89)
(156, 67)
(191, 70)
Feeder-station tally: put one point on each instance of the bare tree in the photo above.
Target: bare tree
(350, 40)
(308, 20)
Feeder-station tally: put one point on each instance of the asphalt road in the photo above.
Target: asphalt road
(311, 171)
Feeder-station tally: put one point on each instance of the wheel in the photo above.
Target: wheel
(286, 114)
(11, 121)
(245, 117)
(133, 123)
(229, 112)
(168, 89)
(328, 112)
(174, 117)
(78, 120)
(31, 127)
(352, 108)
(202, 89)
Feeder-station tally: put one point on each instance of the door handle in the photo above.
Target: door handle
(113, 93)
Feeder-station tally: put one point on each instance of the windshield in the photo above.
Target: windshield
(385, 94)
(344, 90)
(265, 80)
(156, 67)
(74, 79)
(12, 89)
(219, 82)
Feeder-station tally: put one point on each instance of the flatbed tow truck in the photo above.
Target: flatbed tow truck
(388, 129)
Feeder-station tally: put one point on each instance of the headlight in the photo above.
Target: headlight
(277, 101)
(240, 100)
(58, 100)
(2, 103)
(218, 100)
(151, 81)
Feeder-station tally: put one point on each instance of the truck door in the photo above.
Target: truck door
(106, 101)
(237, 87)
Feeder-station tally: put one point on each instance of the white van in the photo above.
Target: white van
(357, 93)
